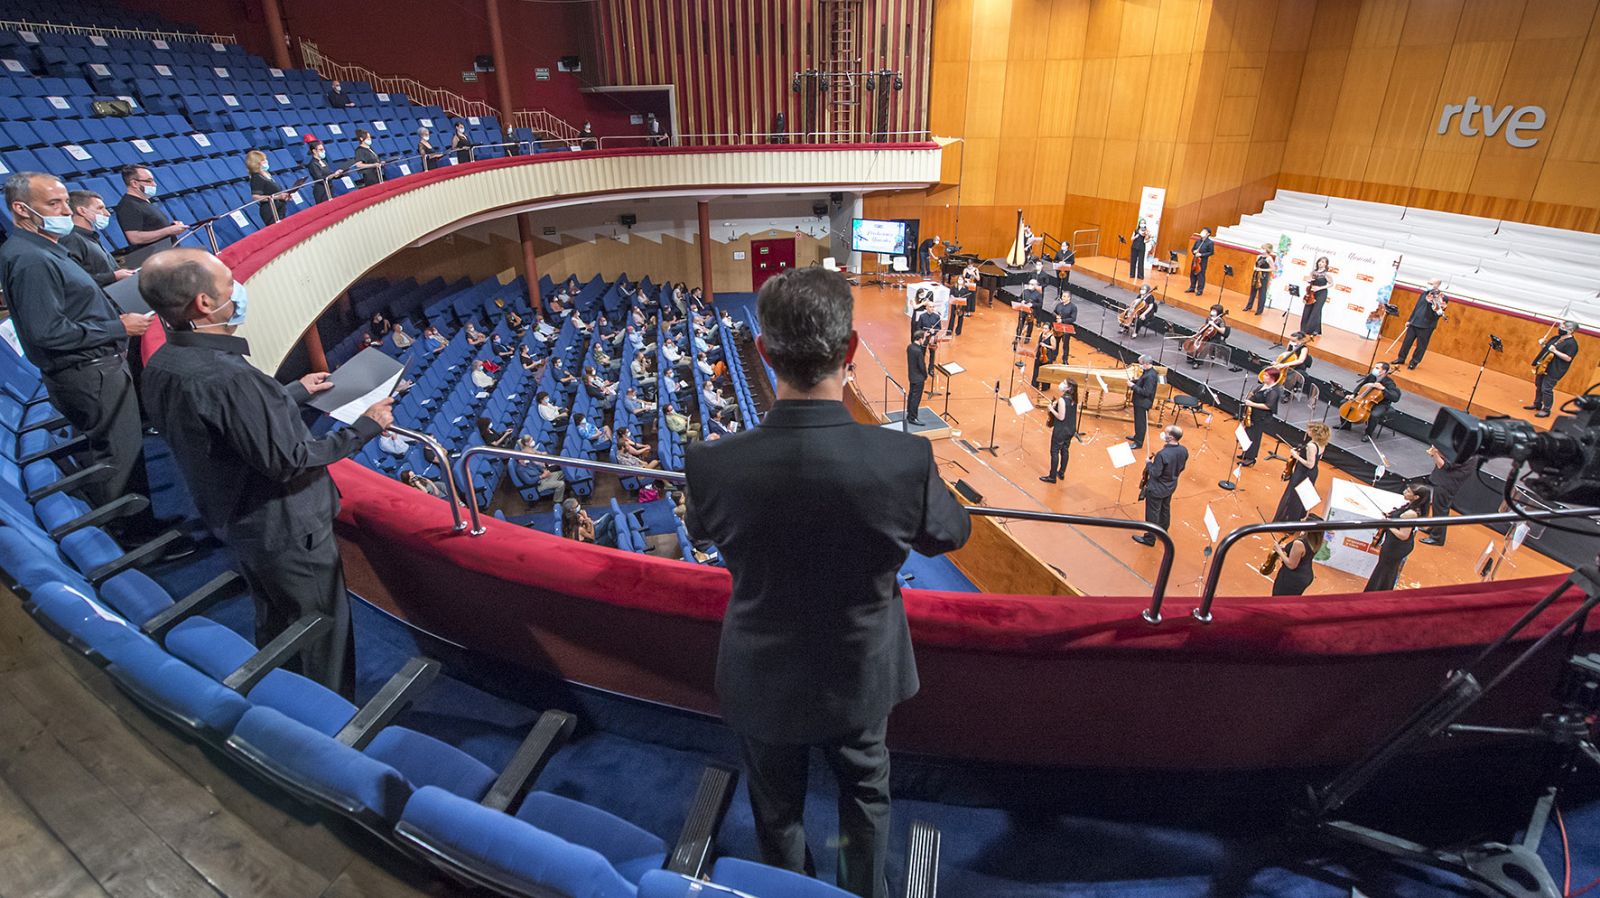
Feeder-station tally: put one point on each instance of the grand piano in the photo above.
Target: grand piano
(1101, 391)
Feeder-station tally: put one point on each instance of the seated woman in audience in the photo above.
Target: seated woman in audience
(728, 322)
(515, 322)
(529, 363)
(480, 375)
(475, 337)
(264, 188)
(425, 149)
(597, 437)
(433, 341)
(378, 326)
(576, 524)
(598, 386)
(632, 452)
(572, 286)
(397, 333)
(492, 437)
(553, 414)
(418, 482)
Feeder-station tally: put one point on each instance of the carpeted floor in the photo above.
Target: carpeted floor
(1007, 833)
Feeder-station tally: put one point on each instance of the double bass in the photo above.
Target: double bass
(1358, 408)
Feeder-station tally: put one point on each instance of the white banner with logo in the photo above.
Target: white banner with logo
(1360, 277)
(1151, 199)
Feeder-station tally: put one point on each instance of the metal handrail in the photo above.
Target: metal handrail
(734, 138)
(133, 33)
(1214, 572)
(414, 90)
(453, 495)
(1158, 590)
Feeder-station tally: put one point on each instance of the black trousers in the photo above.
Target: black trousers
(1442, 500)
(1257, 301)
(1158, 510)
(1136, 264)
(1416, 336)
(1257, 431)
(776, 775)
(1060, 451)
(97, 397)
(1544, 390)
(306, 578)
(1197, 281)
(1025, 321)
(1376, 419)
(1141, 414)
(914, 401)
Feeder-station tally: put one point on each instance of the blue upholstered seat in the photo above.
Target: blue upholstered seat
(218, 651)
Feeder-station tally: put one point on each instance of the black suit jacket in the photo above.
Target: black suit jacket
(916, 363)
(815, 514)
(1144, 388)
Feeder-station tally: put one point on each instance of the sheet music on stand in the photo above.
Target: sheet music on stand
(949, 369)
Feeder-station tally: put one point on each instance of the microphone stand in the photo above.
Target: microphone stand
(1494, 346)
(1390, 310)
(1283, 333)
(994, 417)
(1225, 483)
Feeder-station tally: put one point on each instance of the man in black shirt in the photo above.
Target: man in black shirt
(925, 254)
(1391, 395)
(1033, 296)
(1162, 472)
(1263, 404)
(258, 476)
(1556, 354)
(1143, 391)
(70, 330)
(141, 221)
(1065, 256)
(916, 374)
(336, 97)
(318, 170)
(366, 162)
(1066, 313)
(1447, 478)
(89, 218)
(1419, 328)
(1200, 257)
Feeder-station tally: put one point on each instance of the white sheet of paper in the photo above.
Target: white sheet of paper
(381, 126)
(129, 100)
(349, 184)
(238, 218)
(59, 102)
(1102, 382)
(298, 199)
(230, 100)
(1237, 475)
(276, 73)
(221, 72)
(1378, 472)
(142, 145)
(1309, 497)
(405, 169)
(334, 128)
(8, 332)
(350, 411)
(219, 47)
(952, 369)
(283, 100)
(1212, 529)
(4, 170)
(14, 66)
(288, 131)
(76, 152)
(472, 119)
(201, 139)
(1121, 454)
(99, 69)
(28, 36)
(1243, 436)
(426, 122)
(1022, 403)
(163, 71)
(159, 44)
(1518, 534)
(383, 98)
(97, 40)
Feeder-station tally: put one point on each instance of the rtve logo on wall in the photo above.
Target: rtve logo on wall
(1513, 120)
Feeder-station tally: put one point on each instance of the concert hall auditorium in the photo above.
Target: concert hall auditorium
(800, 448)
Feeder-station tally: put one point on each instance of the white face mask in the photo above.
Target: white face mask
(1377, 372)
(265, 166)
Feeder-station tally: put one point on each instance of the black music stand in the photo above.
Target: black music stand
(1122, 240)
(949, 370)
(1494, 346)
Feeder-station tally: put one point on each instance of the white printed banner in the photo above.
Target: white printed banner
(1360, 277)
(1151, 199)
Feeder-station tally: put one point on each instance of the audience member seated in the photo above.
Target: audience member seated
(634, 453)
(576, 524)
(553, 414)
(515, 322)
(433, 341)
(679, 423)
(475, 337)
(597, 437)
(634, 405)
(397, 333)
(710, 399)
(480, 375)
(558, 371)
(492, 437)
(379, 326)
(529, 363)
(336, 96)
(393, 443)
(501, 348)
(599, 389)
(532, 475)
(419, 482)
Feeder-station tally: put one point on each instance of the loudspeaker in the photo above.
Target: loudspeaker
(968, 493)
(628, 219)
(819, 209)
(836, 198)
(483, 63)
(569, 64)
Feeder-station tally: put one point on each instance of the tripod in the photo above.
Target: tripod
(1494, 346)
(1494, 868)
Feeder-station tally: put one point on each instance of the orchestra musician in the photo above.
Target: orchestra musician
(916, 373)
(1550, 365)
(1136, 251)
(1215, 330)
(1447, 478)
(1396, 543)
(1062, 416)
(1047, 353)
(1136, 317)
(1419, 328)
(1161, 476)
(1294, 357)
(1200, 257)
(1263, 404)
(1029, 241)
(1066, 313)
(963, 302)
(1143, 394)
(1044, 274)
(1260, 279)
(1391, 395)
(924, 311)
(1032, 298)
(1303, 466)
(1316, 296)
(1296, 569)
(1064, 256)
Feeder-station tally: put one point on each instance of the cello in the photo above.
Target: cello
(1128, 316)
(1194, 344)
(1358, 408)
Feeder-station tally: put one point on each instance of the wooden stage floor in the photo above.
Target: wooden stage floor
(1097, 560)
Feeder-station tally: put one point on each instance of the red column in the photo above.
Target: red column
(705, 251)
(502, 64)
(280, 42)
(530, 261)
(315, 356)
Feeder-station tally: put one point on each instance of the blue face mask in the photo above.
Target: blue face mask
(149, 190)
(54, 225)
(101, 222)
(240, 299)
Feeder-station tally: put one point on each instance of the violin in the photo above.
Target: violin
(1280, 551)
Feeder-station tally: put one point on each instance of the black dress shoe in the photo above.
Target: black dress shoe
(1246, 462)
(1542, 413)
(1432, 541)
(1411, 367)
(1190, 290)
(1047, 479)
(1531, 408)
(1144, 540)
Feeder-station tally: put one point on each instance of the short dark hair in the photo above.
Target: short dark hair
(130, 173)
(76, 198)
(362, 134)
(169, 289)
(806, 321)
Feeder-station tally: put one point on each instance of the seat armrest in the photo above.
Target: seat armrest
(132, 558)
(549, 733)
(272, 655)
(198, 602)
(59, 450)
(46, 424)
(120, 507)
(92, 474)
(401, 690)
(691, 855)
(922, 860)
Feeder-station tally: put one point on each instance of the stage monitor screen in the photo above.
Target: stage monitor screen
(869, 235)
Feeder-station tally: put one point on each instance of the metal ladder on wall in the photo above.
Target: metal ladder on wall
(843, 62)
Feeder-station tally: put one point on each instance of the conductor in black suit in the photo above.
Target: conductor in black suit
(814, 515)
(916, 375)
